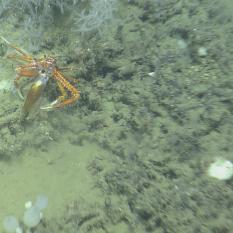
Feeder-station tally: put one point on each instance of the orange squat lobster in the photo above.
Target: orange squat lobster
(41, 70)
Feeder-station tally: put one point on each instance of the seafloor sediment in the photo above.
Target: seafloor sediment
(155, 111)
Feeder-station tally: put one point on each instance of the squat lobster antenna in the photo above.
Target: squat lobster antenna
(13, 46)
(4, 39)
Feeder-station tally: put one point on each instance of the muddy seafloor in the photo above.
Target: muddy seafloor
(155, 110)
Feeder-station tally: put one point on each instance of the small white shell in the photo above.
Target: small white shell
(151, 74)
(28, 204)
(221, 169)
(18, 230)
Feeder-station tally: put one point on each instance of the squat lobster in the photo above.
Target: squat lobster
(41, 70)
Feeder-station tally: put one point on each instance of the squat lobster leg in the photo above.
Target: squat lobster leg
(27, 70)
(63, 85)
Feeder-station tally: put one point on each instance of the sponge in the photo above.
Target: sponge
(31, 217)
(10, 224)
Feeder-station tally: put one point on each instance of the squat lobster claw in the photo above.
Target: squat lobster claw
(41, 70)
